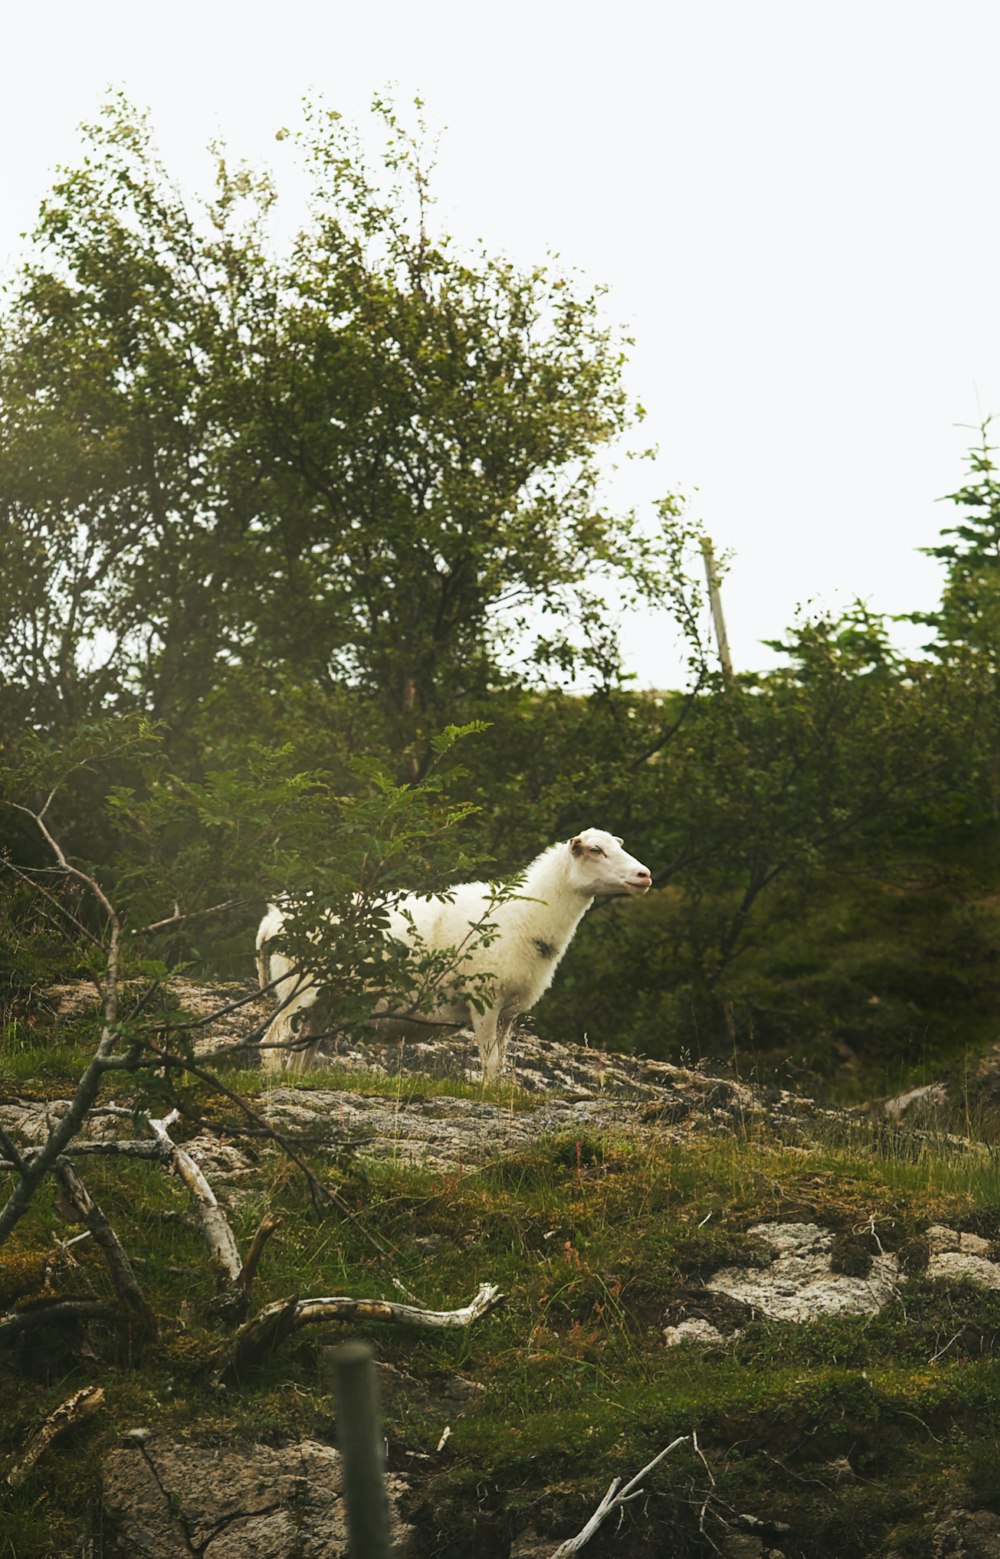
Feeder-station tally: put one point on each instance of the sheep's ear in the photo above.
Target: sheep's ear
(617, 840)
(577, 845)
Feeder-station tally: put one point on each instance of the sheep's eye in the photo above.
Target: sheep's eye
(595, 849)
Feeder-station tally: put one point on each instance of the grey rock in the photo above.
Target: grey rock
(696, 1329)
(941, 1239)
(967, 1534)
(166, 1500)
(800, 1283)
(956, 1265)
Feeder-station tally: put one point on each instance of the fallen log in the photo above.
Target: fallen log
(259, 1336)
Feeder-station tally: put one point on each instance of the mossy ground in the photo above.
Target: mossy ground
(847, 1431)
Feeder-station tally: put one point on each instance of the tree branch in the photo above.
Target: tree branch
(87, 1210)
(40, 1314)
(82, 1404)
(614, 1501)
(318, 1190)
(279, 1320)
(233, 1298)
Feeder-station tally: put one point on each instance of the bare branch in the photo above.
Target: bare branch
(118, 1148)
(219, 1237)
(36, 1166)
(279, 1320)
(320, 1192)
(178, 918)
(82, 1404)
(614, 1501)
(103, 1060)
(53, 899)
(87, 1210)
(57, 851)
(265, 1229)
(45, 1311)
(110, 994)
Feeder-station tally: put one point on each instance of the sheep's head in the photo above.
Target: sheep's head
(602, 866)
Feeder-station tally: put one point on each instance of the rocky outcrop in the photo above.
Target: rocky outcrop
(813, 1273)
(800, 1282)
(553, 1089)
(166, 1500)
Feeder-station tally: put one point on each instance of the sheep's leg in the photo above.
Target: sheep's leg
(282, 1050)
(489, 1038)
(273, 1051)
(491, 1029)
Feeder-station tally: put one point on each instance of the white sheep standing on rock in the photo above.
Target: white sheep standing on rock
(530, 933)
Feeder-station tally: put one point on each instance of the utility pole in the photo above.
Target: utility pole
(715, 600)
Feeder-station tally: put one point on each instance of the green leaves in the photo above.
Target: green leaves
(366, 461)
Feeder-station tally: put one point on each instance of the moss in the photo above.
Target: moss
(913, 1255)
(599, 1243)
(853, 1254)
(22, 1273)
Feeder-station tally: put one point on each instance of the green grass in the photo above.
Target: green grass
(599, 1242)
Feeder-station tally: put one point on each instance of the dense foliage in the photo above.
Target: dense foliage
(274, 518)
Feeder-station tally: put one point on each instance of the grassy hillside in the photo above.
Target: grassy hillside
(843, 1436)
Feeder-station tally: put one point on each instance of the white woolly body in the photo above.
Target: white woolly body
(532, 932)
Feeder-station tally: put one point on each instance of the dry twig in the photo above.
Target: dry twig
(613, 1500)
(74, 1410)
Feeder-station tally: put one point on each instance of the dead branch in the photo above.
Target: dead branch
(614, 1501)
(43, 1311)
(222, 1247)
(81, 1405)
(104, 1059)
(114, 1149)
(86, 1209)
(319, 1192)
(279, 1320)
(179, 917)
(36, 1166)
(487, 1298)
(265, 1229)
(12, 1151)
(118, 1147)
(259, 1337)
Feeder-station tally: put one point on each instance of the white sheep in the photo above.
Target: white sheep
(530, 934)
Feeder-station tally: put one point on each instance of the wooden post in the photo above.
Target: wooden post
(359, 1440)
(715, 599)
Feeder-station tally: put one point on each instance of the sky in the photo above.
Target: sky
(793, 206)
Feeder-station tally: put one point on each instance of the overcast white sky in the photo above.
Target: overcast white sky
(794, 206)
